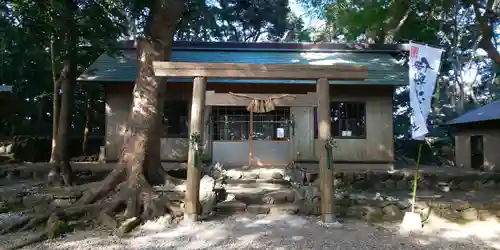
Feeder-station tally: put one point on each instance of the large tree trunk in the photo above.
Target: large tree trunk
(139, 164)
(56, 107)
(61, 166)
(141, 151)
(56, 101)
(86, 129)
(131, 182)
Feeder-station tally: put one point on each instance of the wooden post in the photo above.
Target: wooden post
(191, 208)
(325, 174)
(250, 138)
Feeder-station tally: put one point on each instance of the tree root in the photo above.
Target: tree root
(135, 197)
(14, 226)
(35, 239)
(113, 179)
(35, 221)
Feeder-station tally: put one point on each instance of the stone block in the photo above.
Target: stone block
(402, 185)
(287, 209)
(230, 206)
(439, 204)
(464, 185)
(3, 207)
(277, 176)
(258, 209)
(469, 214)
(366, 213)
(310, 206)
(279, 196)
(390, 184)
(392, 211)
(459, 205)
(489, 184)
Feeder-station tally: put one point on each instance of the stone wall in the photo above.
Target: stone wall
(382, 207)
(398, 181)
(385, 196)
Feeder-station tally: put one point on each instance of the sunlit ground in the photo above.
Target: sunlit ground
(282, 232)
(481, 232)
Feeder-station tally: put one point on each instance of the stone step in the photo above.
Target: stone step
(231, 206)
(281, 196)
(252, 181)
(288, 208)
(253, 188)
(235, 206)
(256, 172)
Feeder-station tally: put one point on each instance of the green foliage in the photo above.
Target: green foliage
(444, 23)
(25, 61)
(235, 20)
(26, 64)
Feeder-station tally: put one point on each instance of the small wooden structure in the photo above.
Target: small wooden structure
(201, 71)
(477, 138)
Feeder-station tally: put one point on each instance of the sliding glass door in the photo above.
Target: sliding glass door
(244, 138)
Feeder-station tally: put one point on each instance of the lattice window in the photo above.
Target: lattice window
(233, 123)
(273, 125)
(175, 119)
(348, 120)
(230, 123)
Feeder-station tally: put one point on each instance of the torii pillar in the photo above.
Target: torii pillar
(191, 208)
(325, 173)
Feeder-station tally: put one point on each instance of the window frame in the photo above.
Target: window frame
(262, 123)
(337, 103)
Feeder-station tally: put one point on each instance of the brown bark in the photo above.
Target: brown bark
(61, 166)
(139, 161)
(56, 101)
(130, 183)
(86, 129)
(487, 31)
(394, 26)
(394, 22)
(140, 152)
(56, 107)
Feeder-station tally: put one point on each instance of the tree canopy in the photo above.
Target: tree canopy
(465, 29)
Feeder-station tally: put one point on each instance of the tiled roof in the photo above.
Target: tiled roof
(382, 67)
(485, 113)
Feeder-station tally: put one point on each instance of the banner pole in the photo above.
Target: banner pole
(415, 180)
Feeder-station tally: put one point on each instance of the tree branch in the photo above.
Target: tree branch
(391, 32)
(486, 27)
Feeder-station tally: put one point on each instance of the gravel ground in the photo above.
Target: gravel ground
(277, 232)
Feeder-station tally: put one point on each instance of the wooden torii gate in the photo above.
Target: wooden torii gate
(201, 71)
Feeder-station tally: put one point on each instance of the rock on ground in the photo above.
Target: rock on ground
(207, 195)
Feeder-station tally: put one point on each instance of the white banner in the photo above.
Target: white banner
(424, 69)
